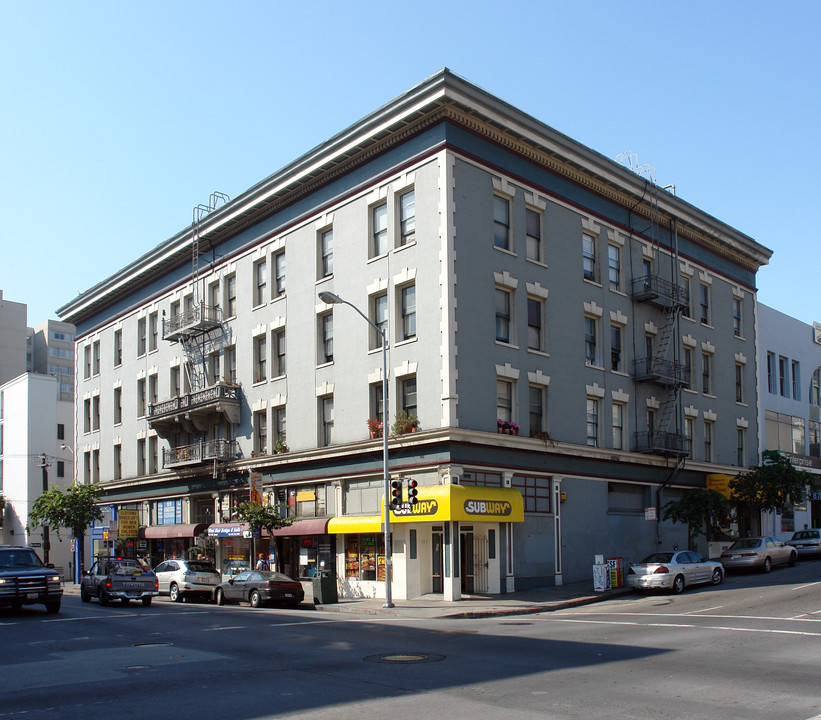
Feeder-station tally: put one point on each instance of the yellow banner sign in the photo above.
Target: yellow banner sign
(128, 523)
(719, 483)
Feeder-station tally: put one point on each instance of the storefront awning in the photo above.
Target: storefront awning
(309, 526)
(156, 532)
(443, 503)
(463, 503)
(351, 524)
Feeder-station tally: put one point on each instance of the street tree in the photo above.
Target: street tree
(260, 516)
(770, 486)
(703, 510)
(74, 508)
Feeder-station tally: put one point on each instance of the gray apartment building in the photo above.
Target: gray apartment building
(569, 348)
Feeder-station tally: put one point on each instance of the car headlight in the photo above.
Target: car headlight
(3, 581)
(54, 578)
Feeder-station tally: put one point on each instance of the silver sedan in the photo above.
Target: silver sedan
(758, 552)
(674, 571)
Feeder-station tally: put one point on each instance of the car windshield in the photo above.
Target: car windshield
(275, 576)
(745, 543)
(198, 566)
(19, 558)
(661, 557)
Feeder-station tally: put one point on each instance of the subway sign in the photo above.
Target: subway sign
(495, 508)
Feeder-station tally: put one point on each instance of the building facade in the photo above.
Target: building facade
(34, 423)
(569, 348)
(53, 354)
(790, 392)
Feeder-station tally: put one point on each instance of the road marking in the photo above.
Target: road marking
(802, 587)
(692, 627)
(693, 612)
(227, 627)
(729, 617)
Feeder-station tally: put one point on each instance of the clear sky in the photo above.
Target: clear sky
(118, 118)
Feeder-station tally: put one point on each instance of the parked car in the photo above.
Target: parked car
(24, 580)
(258, 588)
(807, 543)
(121, 579)
(674, 571)
(185, 578)
(758, 552)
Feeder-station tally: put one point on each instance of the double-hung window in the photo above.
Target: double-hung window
(707, 373)
(591, 332)
(503, 315)
(737, 317)
(407, 217)
(279, 273)
(326, 338)
(536, 408)
(592, 422)
(618, 426)
(260, 358)
(326, 420)
(408, 300)
(379, 230)
(326, 250)
(379, 317)
(589, 257)
(704, 303)
(616, 360)
(739, 382)
(504, 400)
(501, 222)
(260, 281)
(535, 317)
(280, 365)
(614, 266)
(533, 229)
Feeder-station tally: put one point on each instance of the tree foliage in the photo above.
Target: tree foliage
(771, 485)
(704, 512)
(74, 508)
(261, 516)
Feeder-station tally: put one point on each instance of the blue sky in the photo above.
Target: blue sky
(116, 119)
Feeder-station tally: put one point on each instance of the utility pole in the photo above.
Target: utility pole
(44, 464)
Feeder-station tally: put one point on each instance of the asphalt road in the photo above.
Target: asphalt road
(749, 648)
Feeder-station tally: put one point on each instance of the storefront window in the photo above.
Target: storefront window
(363, 554)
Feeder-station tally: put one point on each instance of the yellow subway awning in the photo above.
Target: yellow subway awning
(355, 524)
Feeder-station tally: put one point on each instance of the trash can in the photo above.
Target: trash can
(324, 586)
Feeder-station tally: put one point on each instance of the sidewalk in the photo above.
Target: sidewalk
(527, 602)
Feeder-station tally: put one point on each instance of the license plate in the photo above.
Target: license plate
(288, 595)
(799, 546)
(31, 596)
(205, 581)
(735, 557)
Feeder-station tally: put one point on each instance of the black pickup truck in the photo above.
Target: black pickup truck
(24, 580)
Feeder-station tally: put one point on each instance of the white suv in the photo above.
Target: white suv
(182, 578)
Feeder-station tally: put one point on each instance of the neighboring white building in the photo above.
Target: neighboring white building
(34, 423)
(790, 405)
(13, 339)
(577, 344)
(53, 354)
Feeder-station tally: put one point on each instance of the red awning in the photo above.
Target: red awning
(311, 526)
(175, 531)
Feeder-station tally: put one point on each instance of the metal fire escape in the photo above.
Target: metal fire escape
(201, 331)
(660, 287)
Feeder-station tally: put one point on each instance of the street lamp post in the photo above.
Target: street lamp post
(333, 299)
(78, 541)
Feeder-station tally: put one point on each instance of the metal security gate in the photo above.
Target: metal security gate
(480, 551)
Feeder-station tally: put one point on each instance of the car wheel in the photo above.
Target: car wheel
(791, 561)
(174, 593)
(254, 599)
(84, 596)
(767, 566)
(220, 597)
(53, 606)
(147, 601)
(718, 576)
(103, 597)
(678, 584)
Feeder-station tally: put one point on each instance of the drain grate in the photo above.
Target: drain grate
(405, 658)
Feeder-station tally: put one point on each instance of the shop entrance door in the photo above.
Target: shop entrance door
(466, 561)
(438, 559)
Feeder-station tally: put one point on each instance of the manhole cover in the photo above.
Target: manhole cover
(152, 644)
(405, 658)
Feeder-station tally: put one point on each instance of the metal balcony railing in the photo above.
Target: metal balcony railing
(663, 443)
(196, 319)
(205, 451)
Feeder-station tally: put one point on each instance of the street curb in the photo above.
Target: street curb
(533, 609)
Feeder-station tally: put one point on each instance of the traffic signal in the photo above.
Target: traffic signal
(412, 492)
(396, 493)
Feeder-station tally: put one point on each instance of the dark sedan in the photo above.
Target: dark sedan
(260, 588)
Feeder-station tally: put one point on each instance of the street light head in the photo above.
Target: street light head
(330, 298)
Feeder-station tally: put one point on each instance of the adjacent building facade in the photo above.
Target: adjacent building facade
(569, 348)
(790, 400)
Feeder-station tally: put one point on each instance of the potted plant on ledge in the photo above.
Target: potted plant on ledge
(507, 427)
(375, 428)
(405, 423)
